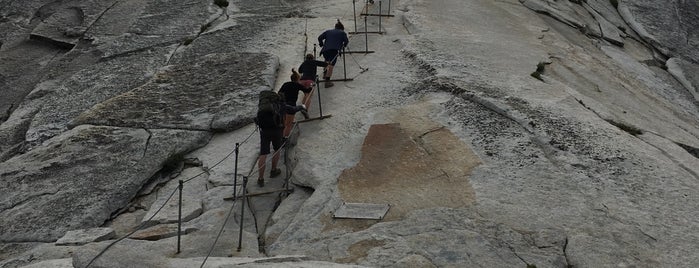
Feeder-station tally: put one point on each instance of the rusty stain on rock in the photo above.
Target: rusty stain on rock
(413, 163)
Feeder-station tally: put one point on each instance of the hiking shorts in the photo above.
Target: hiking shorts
(331, 56)
(267, 136)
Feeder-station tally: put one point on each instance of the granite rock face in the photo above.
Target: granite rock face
(78, 179)
(672, 28)
(216, 92)
(107, 105)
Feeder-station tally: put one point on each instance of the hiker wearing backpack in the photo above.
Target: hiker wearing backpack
(290, 91)
(271, 109)
(332, 42)
(309, 70)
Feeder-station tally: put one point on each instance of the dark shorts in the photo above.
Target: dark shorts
(331, 55)
(273, 136)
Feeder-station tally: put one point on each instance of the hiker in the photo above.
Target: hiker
(270, 111)
(332, 42)
(290, 90)
(309, 70)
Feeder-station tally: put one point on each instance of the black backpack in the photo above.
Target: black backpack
(268, 110)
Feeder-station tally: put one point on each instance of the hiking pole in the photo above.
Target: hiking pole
(242, 214)
(179, 218)
(235, 174)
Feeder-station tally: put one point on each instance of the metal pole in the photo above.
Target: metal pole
(344, 63)
(380, 16)
(366, 34)
(354, 11)
(389, 8)
(242, 214)
(235, 174)
(179, 219)
(320, 106)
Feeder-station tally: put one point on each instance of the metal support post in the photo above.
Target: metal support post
(366, 34)
(242, 215)
(179, 218)
(235, 174)
(344, 63)
(354, 11)
(380, 17)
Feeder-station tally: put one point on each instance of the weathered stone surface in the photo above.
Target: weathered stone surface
(218, 92)
(687, 73)
(167, 205)
(399, 161)
(131, 26)
(672, 28)
(275, 261)
(84, 236)
(609, 12)
(79, 178)
(37, 252)
(58, 263)
(609, 31)
(160, 231)
(562, 11)
(65, 22)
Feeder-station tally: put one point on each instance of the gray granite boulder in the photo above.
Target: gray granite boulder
(77, 180)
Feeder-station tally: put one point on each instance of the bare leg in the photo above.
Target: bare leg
(261, 166)
(288, 119)
(307, 99)
(275, 158)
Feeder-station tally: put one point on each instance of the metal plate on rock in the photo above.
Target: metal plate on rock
(366, 211)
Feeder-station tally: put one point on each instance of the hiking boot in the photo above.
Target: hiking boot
(275, 172)
(261, 182)
(305, 114)
(329, 84)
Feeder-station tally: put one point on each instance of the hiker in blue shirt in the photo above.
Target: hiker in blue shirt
(332, 42)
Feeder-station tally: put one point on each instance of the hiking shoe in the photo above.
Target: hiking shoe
(329, 84)
(275, 172)
(261, 182)
(305, 114)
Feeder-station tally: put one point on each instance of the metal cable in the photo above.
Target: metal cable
(220, 231)
(132, 232)
(224, 158)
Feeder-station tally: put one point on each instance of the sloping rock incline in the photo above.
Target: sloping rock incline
(78, 179)
(218, 92)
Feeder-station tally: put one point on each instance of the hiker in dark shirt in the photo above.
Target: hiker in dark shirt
(332, 42)
(290, 90)
(271, 128)
(309, 70)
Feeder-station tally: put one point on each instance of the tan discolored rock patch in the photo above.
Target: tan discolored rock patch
(412, 164)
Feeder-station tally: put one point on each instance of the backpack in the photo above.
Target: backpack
(268, 110)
